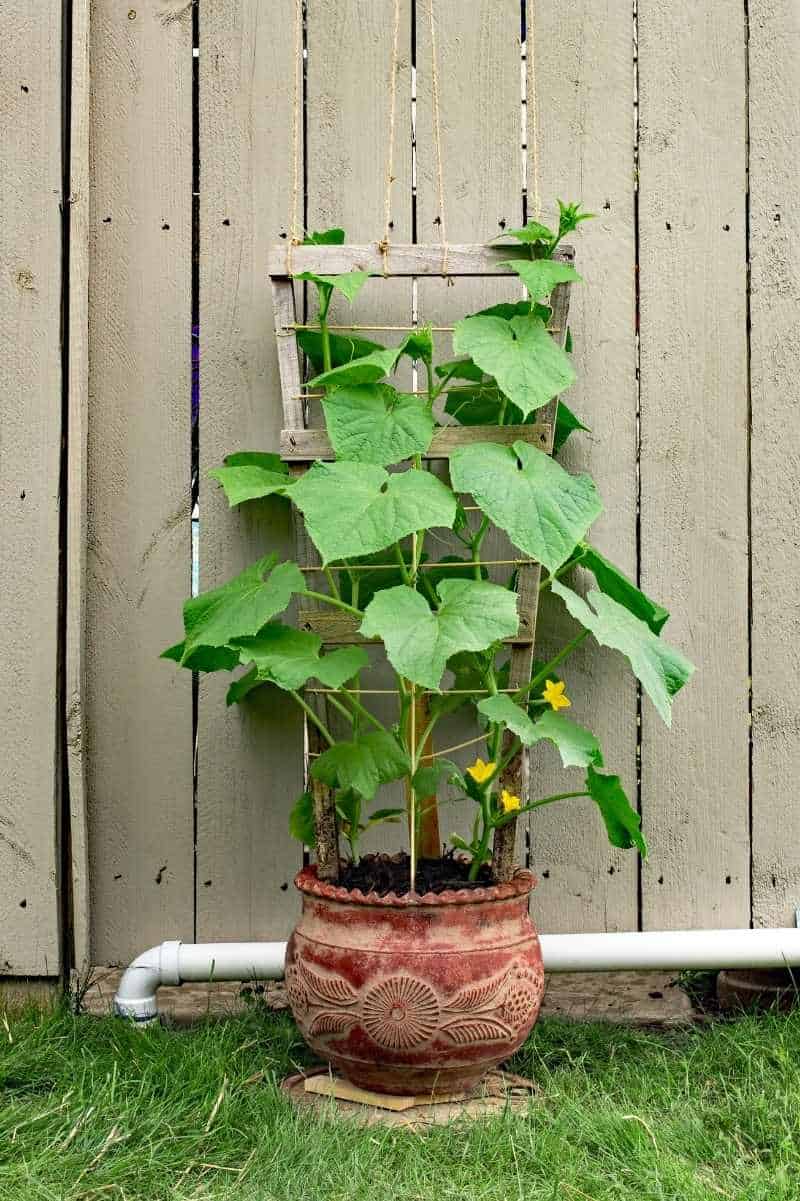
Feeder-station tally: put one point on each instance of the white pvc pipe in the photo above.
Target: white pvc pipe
(669, 950)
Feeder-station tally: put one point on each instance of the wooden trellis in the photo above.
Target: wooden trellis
(301, 445)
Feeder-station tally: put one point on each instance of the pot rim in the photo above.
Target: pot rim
(520, 885)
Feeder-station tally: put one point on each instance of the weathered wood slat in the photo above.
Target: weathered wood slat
(305, 445)
(30, 368)
(78, 419)
(401, 259)
(694, 412)
(139, 711)
(774, 131)
(585, 89)
(249, 758)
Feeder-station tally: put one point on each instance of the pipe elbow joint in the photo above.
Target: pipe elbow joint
(136, 996)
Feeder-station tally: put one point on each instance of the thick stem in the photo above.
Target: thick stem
(312, 717)
(542, 675)
(332, 600)
(362, 710)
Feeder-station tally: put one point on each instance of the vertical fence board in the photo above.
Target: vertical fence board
(694, 455)
(479, 92)
(77, 418)
(582, 70)
(30, 437)
(349, 102)
(139, 710)
(775, 455)
(249, 765)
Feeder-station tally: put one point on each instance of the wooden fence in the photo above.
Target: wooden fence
(133, 810)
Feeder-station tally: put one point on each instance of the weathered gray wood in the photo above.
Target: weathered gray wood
(284, 314)
(693, 330)
(305, 445)
(138, 718)
(584, 83)
(478, 69)
(78, 421)
(775, 455)
(30, 367)
(423, 259)
(249, 757)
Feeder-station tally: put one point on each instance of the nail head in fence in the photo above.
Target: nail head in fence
(300, 446)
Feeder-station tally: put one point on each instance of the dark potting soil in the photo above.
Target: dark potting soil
(383, 874)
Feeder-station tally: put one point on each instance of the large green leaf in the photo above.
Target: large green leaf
(544, 510)
(363, 764)
(622, 822)
(566, 423)
(343, 347)
(203, 658)
(419, 641)
(528, 365)
(367, 370)
(240, 607)
(373, 423)
(301, 820)
(357, 508)
(531, 233)
(325, 237)
(289, 657)
(251, 475)
(661, 670)
(577, 746)
(616, 584)
(540, 276)
(349, 283)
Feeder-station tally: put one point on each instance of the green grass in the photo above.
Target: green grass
(93, 1110)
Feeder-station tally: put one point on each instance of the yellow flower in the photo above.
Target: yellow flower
(509, 802)
(481, 771)
(555, 696)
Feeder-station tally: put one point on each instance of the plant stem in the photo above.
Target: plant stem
(475, 546)
(325, 302)
(340, 708)
(359, 708)
(311, 715)
(548, 800)
(402, 563)
(521, 693)
(332, 600)
(334, 587)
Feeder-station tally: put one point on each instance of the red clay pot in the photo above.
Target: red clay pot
(414, 994)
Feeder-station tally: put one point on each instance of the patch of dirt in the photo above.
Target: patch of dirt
(383, 874)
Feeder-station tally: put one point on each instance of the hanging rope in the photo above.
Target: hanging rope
(295, 225)
(383, 245)
(533, 108)
(437, 136)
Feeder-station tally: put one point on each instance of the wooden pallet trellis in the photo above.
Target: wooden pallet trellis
(300, 446)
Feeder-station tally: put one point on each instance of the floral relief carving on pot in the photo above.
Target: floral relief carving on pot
(402, 1012)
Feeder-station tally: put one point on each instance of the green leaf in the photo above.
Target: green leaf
(540, 276)
(243, 686)
(577, 746)
(343, 347)
(384, 815)
(418, 344)
(531, 232)
(459, 369)
(367, 370)
(660, 668)
(240, 607)
(357, 508)
(363, 764)
(289, 657)
(251, 475)
(529, 366)
(544, 510)
(373, 423)
(508, 309)
(204, 658)
(301, 820)
(425, 780)
(349, 283)
(570, 217)
(622, 822)
(419, 641)
(325, 237)
(616, 584)
(480, 405)
(566, 423)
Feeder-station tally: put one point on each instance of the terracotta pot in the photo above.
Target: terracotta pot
(414, 994)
